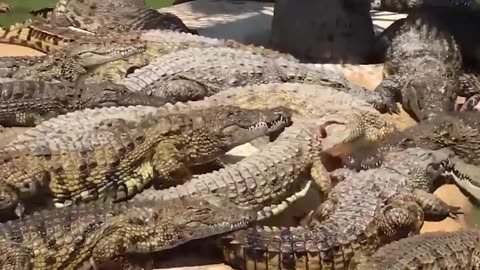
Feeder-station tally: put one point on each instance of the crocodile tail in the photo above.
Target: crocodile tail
(43, 38)
(262, 248)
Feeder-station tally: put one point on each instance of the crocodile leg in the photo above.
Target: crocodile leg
(323, 211)
(136, 182)
(10, 195)
(122, 237)
(434, 206)
(318, 172)
(167, 164)
(181, 88)
(14, 256)
(400, 216)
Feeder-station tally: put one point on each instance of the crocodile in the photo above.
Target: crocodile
(457, 131)
(122, 158)
(404, 6)
(106, 16)
(160, 43)
(89, 235)
(364, 211)
(29, 102)
(156, 42)
(422, 68)
(432, 250)
(194, 73)
(76, 59)
(303, 99)
(269, 180)
(452, 22)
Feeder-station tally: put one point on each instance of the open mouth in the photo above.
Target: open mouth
(275, 209)
(231, 226)
(127, 52)
(274, 125)
(462, 180)
(219, 228)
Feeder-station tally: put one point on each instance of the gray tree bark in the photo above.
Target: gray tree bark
(323, 31)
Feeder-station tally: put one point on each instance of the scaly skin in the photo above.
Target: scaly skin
(422, 67)
(403, 6)
(456, 22)
(457, 131)
(77, 236)
(76, 59)
(122, 158)
(158, 43)
(269, 180)
(30, 102)
(364, 211)
(264, 181)
(305, 100)
(119, 16)
(194, 73)
(433, 250)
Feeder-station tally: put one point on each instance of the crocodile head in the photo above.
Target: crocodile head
(424, 167)
(210, 215)
(94, 53)
(455, 131)
(466, 176)
(233, 126)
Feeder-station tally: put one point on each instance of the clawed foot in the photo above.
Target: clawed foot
(454, 213)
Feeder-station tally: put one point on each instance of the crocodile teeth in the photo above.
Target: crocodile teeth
(278, 208)
(464, 182)
(270, 125)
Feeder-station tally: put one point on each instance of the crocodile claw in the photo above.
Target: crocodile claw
(454, 213)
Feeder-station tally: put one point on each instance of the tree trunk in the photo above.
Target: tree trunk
(323, 31)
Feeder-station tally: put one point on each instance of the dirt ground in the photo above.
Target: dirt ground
(449, 193)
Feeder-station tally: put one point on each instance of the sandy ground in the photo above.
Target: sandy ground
(448, 193)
